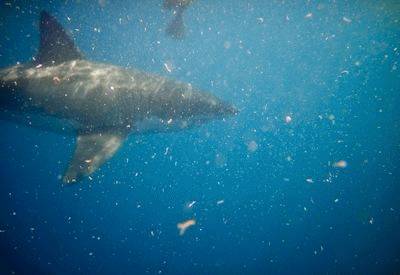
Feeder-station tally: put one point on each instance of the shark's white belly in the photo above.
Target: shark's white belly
(156, 125)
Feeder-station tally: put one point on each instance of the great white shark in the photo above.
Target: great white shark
(100, 103)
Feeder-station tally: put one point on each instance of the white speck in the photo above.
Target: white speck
(340, 164)
(190, 204)
(220, 202)
(2, 231)
(169, 121)
(308, 15)
(227, 44)
(260, 20)
(371, 221)
(252, 146)
(38, 66)
(90, 253)
(309, 180)
(112, 88)
(288, 119)
(168, 66)
(336, 200)
(166, 151)
(347, 20)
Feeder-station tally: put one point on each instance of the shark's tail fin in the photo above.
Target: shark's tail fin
(56, 46)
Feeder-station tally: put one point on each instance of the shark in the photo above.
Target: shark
(101, 104)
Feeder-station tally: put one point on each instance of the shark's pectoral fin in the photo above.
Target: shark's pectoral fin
(92, 150)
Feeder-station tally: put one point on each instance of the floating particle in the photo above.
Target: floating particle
(169, 121)
(185, 225)
(288, 119)
(220, 202)
(168, 66)
(310, 180)
(220, 160)
(340, 164)
(336, 200)
(308, 15)
(56, 80)
(190, 204)
(88, 160)
(166, 151)
(345, 72)
(347, 20)
(227, 44)
(39, 66)
(371, 220)
(252, 146)
(260, 20)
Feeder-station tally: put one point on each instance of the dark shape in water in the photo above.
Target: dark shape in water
(99, 103)
(176, 28)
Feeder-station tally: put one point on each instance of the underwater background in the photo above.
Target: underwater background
(305, 179)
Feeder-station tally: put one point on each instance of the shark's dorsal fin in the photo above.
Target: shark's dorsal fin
(92, 150)
(56, 46)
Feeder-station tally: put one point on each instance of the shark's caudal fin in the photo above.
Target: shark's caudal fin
(55, 44)
(92, 150)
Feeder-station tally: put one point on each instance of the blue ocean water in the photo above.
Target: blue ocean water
(317, 85)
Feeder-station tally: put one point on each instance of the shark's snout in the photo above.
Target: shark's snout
(230, 109)
(226, 109)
